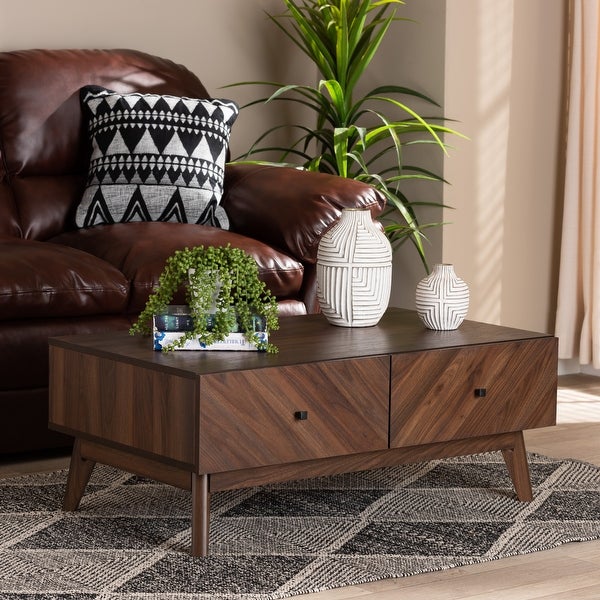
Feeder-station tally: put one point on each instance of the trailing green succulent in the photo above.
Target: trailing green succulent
(353, 135)
(222, 288)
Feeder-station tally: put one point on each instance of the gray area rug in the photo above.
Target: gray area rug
(130, 539)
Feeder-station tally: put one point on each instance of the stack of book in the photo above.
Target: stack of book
(176, 320)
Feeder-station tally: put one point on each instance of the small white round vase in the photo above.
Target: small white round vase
(354, 271)
(442, 298)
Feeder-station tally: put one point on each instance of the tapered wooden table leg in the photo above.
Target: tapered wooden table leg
(80, 471)
(200, 515)
(518, 469)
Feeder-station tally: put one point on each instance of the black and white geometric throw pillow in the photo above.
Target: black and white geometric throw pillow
(155, 158)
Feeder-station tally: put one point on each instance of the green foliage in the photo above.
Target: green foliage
(353, 135)
(221, 278)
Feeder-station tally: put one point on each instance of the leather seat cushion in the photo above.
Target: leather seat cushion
(25, 344)
(46, 280)
(139, 250)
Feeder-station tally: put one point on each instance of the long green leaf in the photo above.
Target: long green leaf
(357, 26)
(342, 46)
(362, 62)
(312, 43)
(336, 94)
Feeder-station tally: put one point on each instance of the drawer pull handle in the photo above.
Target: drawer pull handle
(480, 392)
(301, 415)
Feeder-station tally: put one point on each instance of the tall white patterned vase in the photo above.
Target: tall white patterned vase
(442, 298)
(354, 271)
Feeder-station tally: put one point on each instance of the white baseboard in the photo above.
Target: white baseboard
(571, 366)
(568, 366)
(589, 370)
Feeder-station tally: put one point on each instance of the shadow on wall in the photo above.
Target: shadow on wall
(494, 54)
(278, 60)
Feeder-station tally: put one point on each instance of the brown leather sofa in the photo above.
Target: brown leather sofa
(56, 279)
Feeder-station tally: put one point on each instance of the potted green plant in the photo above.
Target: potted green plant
(353, 135)
(222, 290)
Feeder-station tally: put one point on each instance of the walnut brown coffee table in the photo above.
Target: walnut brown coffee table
(333, 400)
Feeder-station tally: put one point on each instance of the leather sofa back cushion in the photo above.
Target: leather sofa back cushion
(9, 220)
(41, 122)
(46, 280)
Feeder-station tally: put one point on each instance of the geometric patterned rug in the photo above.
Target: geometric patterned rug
(130, 538)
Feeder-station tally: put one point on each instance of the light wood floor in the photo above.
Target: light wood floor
(570, 572)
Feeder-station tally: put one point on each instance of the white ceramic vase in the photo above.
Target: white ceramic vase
(442, 298)
(354, 271)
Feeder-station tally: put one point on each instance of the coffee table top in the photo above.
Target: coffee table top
(300, 339)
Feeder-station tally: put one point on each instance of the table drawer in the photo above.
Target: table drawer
(451, 394)
(281, 415)
(121, 403)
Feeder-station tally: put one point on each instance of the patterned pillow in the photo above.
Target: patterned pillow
(155, 158)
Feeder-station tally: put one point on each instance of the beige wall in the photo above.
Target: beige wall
(222, 41)
(497, 65)
(504, 83)
(413, 55)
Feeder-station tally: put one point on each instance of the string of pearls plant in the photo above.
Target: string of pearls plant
(217, 279)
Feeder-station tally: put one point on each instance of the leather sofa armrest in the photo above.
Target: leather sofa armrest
(289, 208)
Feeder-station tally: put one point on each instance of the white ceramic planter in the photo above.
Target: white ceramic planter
(354, 271)
(442, 298)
